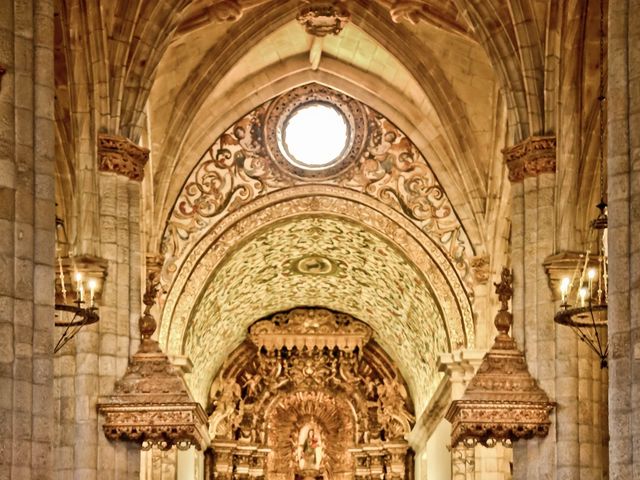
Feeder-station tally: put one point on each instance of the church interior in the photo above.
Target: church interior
(319, 239)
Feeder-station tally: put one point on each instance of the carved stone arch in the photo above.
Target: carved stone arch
(189, 298)
(395, 38)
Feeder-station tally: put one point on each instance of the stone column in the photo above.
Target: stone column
(89, 365)
(565, 370)
(27, 237)
(623, 109)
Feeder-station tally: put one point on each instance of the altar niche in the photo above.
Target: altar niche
(309, 395)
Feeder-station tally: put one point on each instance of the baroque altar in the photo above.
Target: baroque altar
(309, 395)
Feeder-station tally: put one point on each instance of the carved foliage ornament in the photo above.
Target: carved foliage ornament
(246, 163)
(503, 402)
(120, 155)
(151, 404)
(531, 157)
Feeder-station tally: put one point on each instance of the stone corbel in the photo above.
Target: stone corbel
(531, 157)
(480, 267)
(118, 154)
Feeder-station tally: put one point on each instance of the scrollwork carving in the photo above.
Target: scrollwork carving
(245, 163)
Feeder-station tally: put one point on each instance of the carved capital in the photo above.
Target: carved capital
(531, 157)
(120, 155)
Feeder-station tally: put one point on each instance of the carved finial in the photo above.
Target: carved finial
(147, 322)
(504, 290)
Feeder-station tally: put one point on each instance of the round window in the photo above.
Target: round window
(315, 136)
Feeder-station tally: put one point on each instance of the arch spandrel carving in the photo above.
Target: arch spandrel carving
(239, 168)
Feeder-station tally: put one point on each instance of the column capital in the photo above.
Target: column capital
(118, 154)
(531, 157)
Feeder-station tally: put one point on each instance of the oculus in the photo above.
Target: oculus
(314, 136)
(313, 132)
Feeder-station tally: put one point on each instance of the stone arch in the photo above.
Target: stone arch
(444, 101)
(184, 302)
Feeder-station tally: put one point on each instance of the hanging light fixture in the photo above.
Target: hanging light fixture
(75, 307)
(584, 295)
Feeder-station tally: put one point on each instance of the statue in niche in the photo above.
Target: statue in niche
(310, 449)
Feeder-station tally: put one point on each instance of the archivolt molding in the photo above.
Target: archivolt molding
(238, 168)
(412, 341)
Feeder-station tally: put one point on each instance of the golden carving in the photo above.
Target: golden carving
(311, 328)
(502, 402)
(272, 395)
(120, 155)
(151, 403)
(531, 157)
(321, 17)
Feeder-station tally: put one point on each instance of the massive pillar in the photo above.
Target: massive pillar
(89, 365)
(27, 229)
(565, 369)
(623, 109)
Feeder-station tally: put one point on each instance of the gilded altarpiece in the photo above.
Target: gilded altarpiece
(309, 396)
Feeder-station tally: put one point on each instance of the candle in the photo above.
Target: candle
(583, 295)
(591, 275)
(564, 289)
(92, 290)
(79, 286)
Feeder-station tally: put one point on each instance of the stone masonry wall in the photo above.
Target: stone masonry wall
(623, 99)
(27, 223)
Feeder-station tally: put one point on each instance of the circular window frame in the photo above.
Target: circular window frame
(284, 146)
(284, 106)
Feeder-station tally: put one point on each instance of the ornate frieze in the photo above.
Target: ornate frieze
(118, 154)
(151, 404)
(531, 157)
(503, 402)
